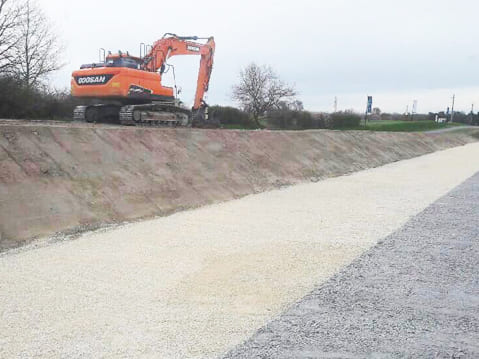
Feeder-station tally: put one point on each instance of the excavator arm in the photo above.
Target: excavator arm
(128, 89)
(172, 45)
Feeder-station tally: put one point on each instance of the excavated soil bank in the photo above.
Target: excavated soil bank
(59, 178)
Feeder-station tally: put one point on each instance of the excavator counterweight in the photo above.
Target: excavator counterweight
(126, 89)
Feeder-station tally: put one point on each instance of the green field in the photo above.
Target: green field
(405, 126)
(375, 125)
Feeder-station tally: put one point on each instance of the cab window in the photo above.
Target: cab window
(123, 62)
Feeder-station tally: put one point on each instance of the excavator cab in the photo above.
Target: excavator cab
(117, 60)
(130, 62)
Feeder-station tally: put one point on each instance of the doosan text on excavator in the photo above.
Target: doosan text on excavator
(126, 89)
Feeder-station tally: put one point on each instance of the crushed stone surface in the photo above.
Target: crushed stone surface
(198, 283)
(414, 295)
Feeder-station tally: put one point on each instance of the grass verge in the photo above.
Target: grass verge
(404, 126)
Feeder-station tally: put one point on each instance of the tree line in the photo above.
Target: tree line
(29, 49)
(29, 52)
(267, 101)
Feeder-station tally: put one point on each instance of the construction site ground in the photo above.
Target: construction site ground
(199, 283)
(58, 177)
(414, 295)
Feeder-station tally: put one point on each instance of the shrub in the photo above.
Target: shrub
(343, 120)
(21, 102)
(461, 117)
(291, 119)
(230, 116)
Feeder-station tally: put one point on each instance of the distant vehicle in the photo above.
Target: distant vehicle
(126, 89)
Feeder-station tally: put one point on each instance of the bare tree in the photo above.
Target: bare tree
(296, 105)
(38, 51)
(260, 90)
(9, 23)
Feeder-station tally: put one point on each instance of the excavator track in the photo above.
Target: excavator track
(155, 115)
(79, 113)
(151, 115)
(102, 113)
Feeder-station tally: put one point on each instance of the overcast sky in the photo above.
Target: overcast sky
(397, 51)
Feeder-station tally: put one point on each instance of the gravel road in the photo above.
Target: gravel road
(414, 295)
(198, 283)
(451, 129)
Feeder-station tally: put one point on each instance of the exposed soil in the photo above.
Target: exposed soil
(70, 177)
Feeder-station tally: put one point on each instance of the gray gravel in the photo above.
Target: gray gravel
(415, 294)
(451, 129)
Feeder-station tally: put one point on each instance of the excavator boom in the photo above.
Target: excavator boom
(172, 45)
(128, 89)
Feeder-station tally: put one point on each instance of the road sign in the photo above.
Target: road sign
(370, 104)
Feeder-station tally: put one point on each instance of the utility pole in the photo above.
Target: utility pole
(414, 109)
(335, 104)
(452, 109)
(369, 108)
(365, 117)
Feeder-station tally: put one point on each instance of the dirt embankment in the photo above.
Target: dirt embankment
(55, 178)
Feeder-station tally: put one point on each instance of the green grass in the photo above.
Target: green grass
(235, 127)
(405, 126)
(386, 125)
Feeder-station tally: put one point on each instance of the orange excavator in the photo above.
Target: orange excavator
(126, 89)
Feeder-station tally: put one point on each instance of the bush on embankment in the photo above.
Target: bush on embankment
(18, 101)
(291, 120)
(345, 119)
(231, 117)
(304, 120)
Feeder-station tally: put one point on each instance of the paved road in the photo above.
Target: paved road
(416, 294)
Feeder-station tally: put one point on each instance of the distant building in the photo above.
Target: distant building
(441, 119)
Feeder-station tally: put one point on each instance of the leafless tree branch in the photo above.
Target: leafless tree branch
(38, 51)
(9, 37)
(260, 90)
